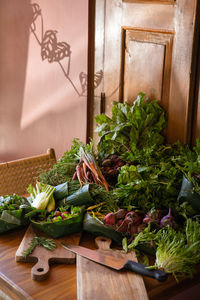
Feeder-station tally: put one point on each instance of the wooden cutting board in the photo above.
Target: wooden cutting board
(95, 281)
(43, 257)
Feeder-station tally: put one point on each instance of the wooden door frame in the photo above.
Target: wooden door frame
(195, 88)
(90, 69)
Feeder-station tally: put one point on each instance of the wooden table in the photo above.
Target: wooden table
(16, 282)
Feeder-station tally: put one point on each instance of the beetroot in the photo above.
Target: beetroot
(168, 220)
(120, 214)
(154, 216)
(133, 217)
(123, 227)
(109, 219)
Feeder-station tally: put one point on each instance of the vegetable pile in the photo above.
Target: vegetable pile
(135, 188)
(12, 212)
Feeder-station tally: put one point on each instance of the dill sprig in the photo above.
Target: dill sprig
(40, 241)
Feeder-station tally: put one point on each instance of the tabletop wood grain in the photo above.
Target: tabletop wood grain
(16, 282)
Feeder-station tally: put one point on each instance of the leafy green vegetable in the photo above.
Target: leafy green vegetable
(60, 173)
(40, 241)
(13, 202)
(57, 226)
(99, 195)
(64, 169)
(91, 194)
(150, 184)
(42, 196)
(144, 238)
(73, 154)
(132, 127)
(179, 251)
(12, 212)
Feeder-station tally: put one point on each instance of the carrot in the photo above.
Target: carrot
(74, 176)
(85, 172)
(79, 173)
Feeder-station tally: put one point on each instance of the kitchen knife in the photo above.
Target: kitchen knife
(116, 263)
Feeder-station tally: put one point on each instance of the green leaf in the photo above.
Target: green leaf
(101, 119)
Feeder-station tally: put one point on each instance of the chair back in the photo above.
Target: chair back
(16, 175)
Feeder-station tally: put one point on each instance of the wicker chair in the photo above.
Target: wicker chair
(16, 175)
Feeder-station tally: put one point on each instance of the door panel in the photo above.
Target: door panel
(147, 65)
(148, 47)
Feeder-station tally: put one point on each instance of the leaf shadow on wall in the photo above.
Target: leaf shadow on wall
(56, 51)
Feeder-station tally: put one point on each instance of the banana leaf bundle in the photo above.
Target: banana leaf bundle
(88, 194)
(12, 212)
(188, 194)
(57, 226)
(96, 226)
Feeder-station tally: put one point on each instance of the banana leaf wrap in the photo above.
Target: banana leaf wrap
(95, 226)
(66, 189)
(13, 219)
(62, 227)
(81, 197)
(12, 214)
(187, 194)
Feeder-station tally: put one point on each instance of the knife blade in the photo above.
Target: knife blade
(116, 263)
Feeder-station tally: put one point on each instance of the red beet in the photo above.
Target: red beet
(109, 219)
(120, 214)
(133, 217)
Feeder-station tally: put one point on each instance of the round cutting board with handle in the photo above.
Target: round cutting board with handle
(95, 281)
(42, 257)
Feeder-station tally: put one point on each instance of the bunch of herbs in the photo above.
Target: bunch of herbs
(64, 169)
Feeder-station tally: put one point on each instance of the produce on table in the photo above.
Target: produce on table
(42, 242)
(189, 194)
(42, 196)
(63, 221)
(95, 226)
(127, 222)
(153, 217)
(132, 131)
(12, 212)
(64, 169)
(110, 168)
(177, 251)
(87, 170)
(131, 188)
(91, 194)
(66, 189)
(168, 220)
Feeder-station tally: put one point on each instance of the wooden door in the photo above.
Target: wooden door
(147, 45)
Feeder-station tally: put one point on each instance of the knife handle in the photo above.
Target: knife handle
(142, 270)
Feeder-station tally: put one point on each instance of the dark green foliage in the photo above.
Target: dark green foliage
(12, 212)
(64, 169)
(61, 172)
(131, 127)
(154, 182)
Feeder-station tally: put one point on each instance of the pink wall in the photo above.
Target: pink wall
(43, 103)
